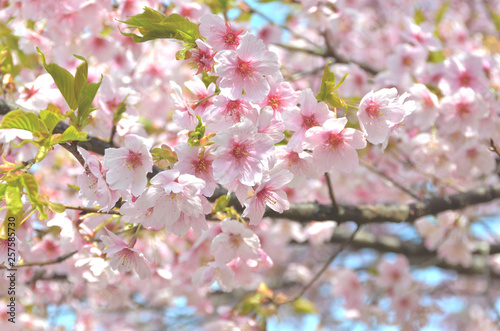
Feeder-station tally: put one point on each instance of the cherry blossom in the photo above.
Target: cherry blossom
(241, 72)
(128, 166)
(379, 111)
(235, 241)
(312, 113)
(212, 272)
(334, 146)
(240, 152)
(220, 35)
(268, 193)
(123, 257)
(93, 186)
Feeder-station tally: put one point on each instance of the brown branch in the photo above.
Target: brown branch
(360, 214)
(394, 213)
(91, 210)
(54, 261)
(417, 254)
(330, 192)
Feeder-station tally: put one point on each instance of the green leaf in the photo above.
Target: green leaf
(154, 25)
(18, 119)
(43, 150)
(436, 57)
(31, 187)
(304, 306)
(56, 207)
(72, 134)
(85, 98)
(81, 75)
(74, 187)
(419, 17)
(328, 90)
(495, 17)
(122, 108)
(441, 12)
(64, 80)
(13, 198)
(51, 116)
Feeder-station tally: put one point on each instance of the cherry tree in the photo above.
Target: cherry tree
(249, 165)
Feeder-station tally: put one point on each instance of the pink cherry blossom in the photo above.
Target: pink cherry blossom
(463, 109)
(123, 257)
(128, 165)
(474, 156)
(299, 164)
(173, 201)
(222, 274)
(202, 58)
(268, 193)
(241, 72)
(226, 112)
(281, 95)
(241, 153)
(220, 35)
(200, 91)
(319, 233)
(93, 186)
(464, 71)
(379, 111)
(198, 162)
(334, 146)
(235, 241)
(311, 113)
(270, 125)
(394, 275)
(456, 248)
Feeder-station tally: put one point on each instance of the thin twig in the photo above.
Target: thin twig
(494, 147)
(91, 210)
(327, 264)
(55, 261)
(71, 147)
(342, 59)
(330, 192)
(389, 179)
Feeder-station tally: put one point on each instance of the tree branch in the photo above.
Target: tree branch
(307, 212)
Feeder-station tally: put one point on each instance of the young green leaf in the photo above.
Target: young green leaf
(85, 98)
(81, 75)
(18, 119)
(64, 80)
(72, 134)
(154, 25)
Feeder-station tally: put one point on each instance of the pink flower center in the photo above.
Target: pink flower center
(274, 101)
(463, 109)
(464, 79)
(335, 140)
(309, 121)
(29, 93)
(239, 151)
(134, 160)
(233, 109)
(373, 109)
(200, 166)
(231, 37)
(244, 68)
(407, 61)
(150, 211)
(472, 153)
(235, 240)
